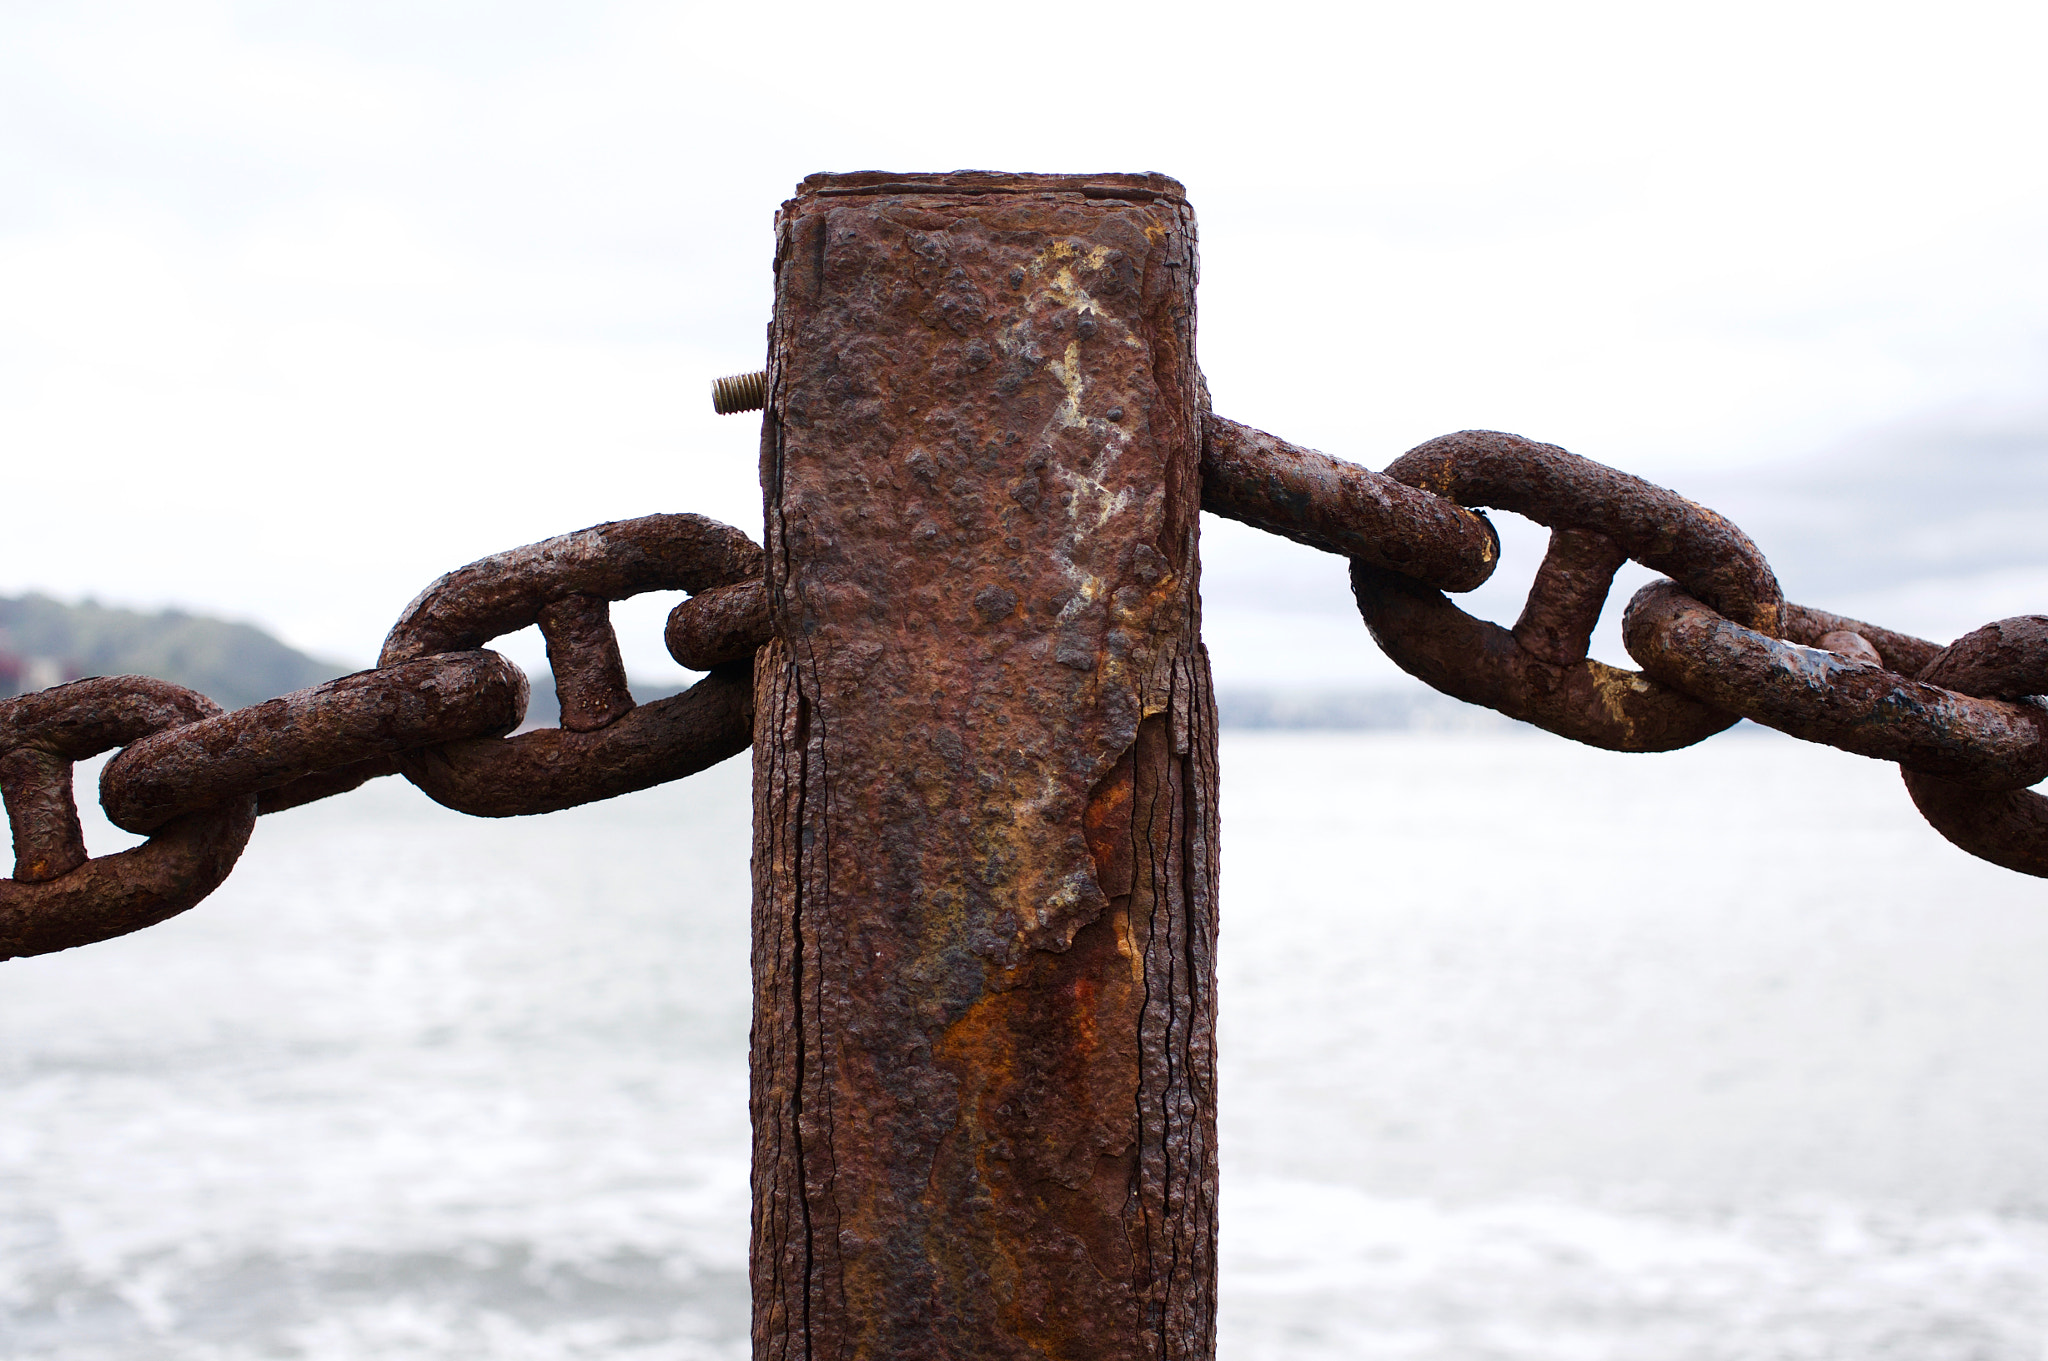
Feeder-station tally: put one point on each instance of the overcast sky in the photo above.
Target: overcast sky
(302, 304)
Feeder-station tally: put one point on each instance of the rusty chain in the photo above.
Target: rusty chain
(436, 709)
(1717, 642)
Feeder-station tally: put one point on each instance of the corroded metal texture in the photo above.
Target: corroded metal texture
(325, 784)
(1480, 662)
(2006, 660)
(58, 898)
(1341, 508)
(606, 746)
(1565, 600)
(583, 654)
(43, 732)
(1539, 671)
(1828, 697)
(471, 605)
(723, 624)
(1692, 545)
(1900, 652)
(549, 769)
(2007, 827)
(335, 724)
(1851, 646)
(985, 779)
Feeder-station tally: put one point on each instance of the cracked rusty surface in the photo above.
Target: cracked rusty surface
(984, 780)
(985, 783)
(58, 897)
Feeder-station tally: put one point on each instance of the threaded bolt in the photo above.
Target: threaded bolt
(741, 392)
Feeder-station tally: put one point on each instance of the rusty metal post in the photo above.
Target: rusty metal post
(985, 779)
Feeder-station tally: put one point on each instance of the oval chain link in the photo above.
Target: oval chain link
(606, 745)
(60, 898)
(1538, 671)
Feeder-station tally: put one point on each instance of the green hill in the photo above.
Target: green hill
(233, 664)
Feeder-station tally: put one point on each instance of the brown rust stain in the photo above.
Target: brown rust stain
(1107, 821)
(984, 856)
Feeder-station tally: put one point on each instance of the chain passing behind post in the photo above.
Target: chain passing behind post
(1717, 642)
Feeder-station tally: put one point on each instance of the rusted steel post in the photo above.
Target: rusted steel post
(985, 779)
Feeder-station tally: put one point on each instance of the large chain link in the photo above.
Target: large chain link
(58, 898)
(606, 745)
(1599, 518)
(1717, 642)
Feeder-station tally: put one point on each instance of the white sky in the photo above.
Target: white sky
(303, 304)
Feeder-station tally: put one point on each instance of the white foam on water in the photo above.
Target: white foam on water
(1316, 1271)
(1527, 1052)
(410, 1085)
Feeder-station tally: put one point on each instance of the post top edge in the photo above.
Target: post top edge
(1116, 184)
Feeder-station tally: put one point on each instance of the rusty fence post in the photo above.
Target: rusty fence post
(985, 779)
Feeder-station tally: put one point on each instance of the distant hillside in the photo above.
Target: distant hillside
(43, 641)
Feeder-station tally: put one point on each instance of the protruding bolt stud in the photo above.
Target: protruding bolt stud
(741, 392)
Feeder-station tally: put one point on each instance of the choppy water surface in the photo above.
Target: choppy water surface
(1529, 1051)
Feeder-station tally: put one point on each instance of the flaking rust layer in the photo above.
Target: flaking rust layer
(985, 777)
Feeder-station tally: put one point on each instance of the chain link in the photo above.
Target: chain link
(1538, 671)
(1717, 642)
(606, 745)
(58, 898)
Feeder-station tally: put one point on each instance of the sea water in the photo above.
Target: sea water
(1528, 1052)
